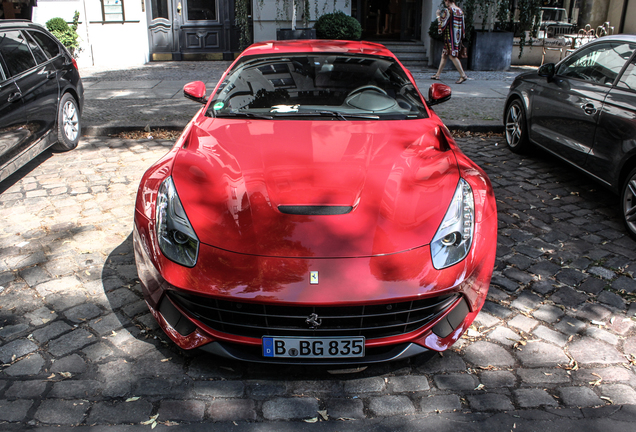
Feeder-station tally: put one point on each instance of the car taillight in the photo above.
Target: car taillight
(74, 63)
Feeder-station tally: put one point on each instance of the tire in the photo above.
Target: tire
(68, 124)
(628, 203)
(516, 131)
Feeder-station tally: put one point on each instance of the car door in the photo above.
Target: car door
(40, 88)
(35, 77)
(616, 133)
(13, 120)
(565, 109)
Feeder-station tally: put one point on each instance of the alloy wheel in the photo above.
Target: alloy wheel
(629, 203)
(70, 120)
(514, 127)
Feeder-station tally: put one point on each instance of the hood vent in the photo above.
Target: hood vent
(314, 210)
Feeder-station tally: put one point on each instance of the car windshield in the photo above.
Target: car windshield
(558, 15)
(324, 86)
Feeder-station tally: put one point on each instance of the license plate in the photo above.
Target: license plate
(310, 347)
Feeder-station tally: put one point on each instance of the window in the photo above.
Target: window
(40, 57)
(599, 63)
(201, 10)
(160, 9)
(16, 52)
(628, 80)
(50, 47)
(113, 10)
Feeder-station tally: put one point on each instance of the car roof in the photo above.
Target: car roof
(19, 23)
(317, 46)
(618, 37)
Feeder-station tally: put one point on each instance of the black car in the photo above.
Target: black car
(41, 95)
(583, 110)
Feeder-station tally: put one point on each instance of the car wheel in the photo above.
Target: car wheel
(515, 123)
(68, 124)
(628, 201)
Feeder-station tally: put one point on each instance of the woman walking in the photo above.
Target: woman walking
(451, 25)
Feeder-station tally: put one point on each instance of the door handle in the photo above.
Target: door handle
(179, 8)
(589, 109)
(14, 96)
(51, 74)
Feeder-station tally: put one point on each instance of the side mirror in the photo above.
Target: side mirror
(548, 71)
(438, 93)
(195, 91)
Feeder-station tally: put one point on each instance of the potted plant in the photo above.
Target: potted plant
(491, 44)
(338, 25)
(66, 34)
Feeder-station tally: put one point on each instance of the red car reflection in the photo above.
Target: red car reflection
(315, 211)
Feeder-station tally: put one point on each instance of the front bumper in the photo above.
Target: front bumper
(232, 277)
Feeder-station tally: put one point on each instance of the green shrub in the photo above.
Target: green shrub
(58, 25)
(66, 34)
(338, 25)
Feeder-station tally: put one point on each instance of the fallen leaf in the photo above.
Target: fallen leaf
(66, 374)
(153, 419)
(166, 360)
(311, 420)
(132, 399)
(480, 387)
(324, 415)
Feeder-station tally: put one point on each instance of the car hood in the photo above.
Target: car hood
(353, 189)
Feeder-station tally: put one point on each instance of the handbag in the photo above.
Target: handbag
(463, 51)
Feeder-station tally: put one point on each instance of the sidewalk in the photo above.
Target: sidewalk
(152, 95)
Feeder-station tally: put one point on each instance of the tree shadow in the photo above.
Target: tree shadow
(25, 170)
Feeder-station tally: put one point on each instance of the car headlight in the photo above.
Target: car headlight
(454, 237)
(177, 239)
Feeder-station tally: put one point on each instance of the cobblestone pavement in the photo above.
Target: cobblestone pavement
(553, 348)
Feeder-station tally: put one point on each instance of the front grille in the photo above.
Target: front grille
(257, 320)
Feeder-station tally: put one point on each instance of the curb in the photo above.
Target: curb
(112, 130)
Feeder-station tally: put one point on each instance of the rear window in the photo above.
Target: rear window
(16, 52)
(50, 47)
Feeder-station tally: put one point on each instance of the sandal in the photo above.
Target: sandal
(435, 77)
(461, 79)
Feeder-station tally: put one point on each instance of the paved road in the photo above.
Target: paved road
(152, 95)
(553, 348)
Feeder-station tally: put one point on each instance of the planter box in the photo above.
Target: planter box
(435, 55)
(301, 33)
(490, 51)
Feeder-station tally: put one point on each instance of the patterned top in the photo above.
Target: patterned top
(451, 25)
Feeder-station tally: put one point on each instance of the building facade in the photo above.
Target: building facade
(129, 32)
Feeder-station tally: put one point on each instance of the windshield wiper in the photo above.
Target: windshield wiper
(336, 114)
(240, 114)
